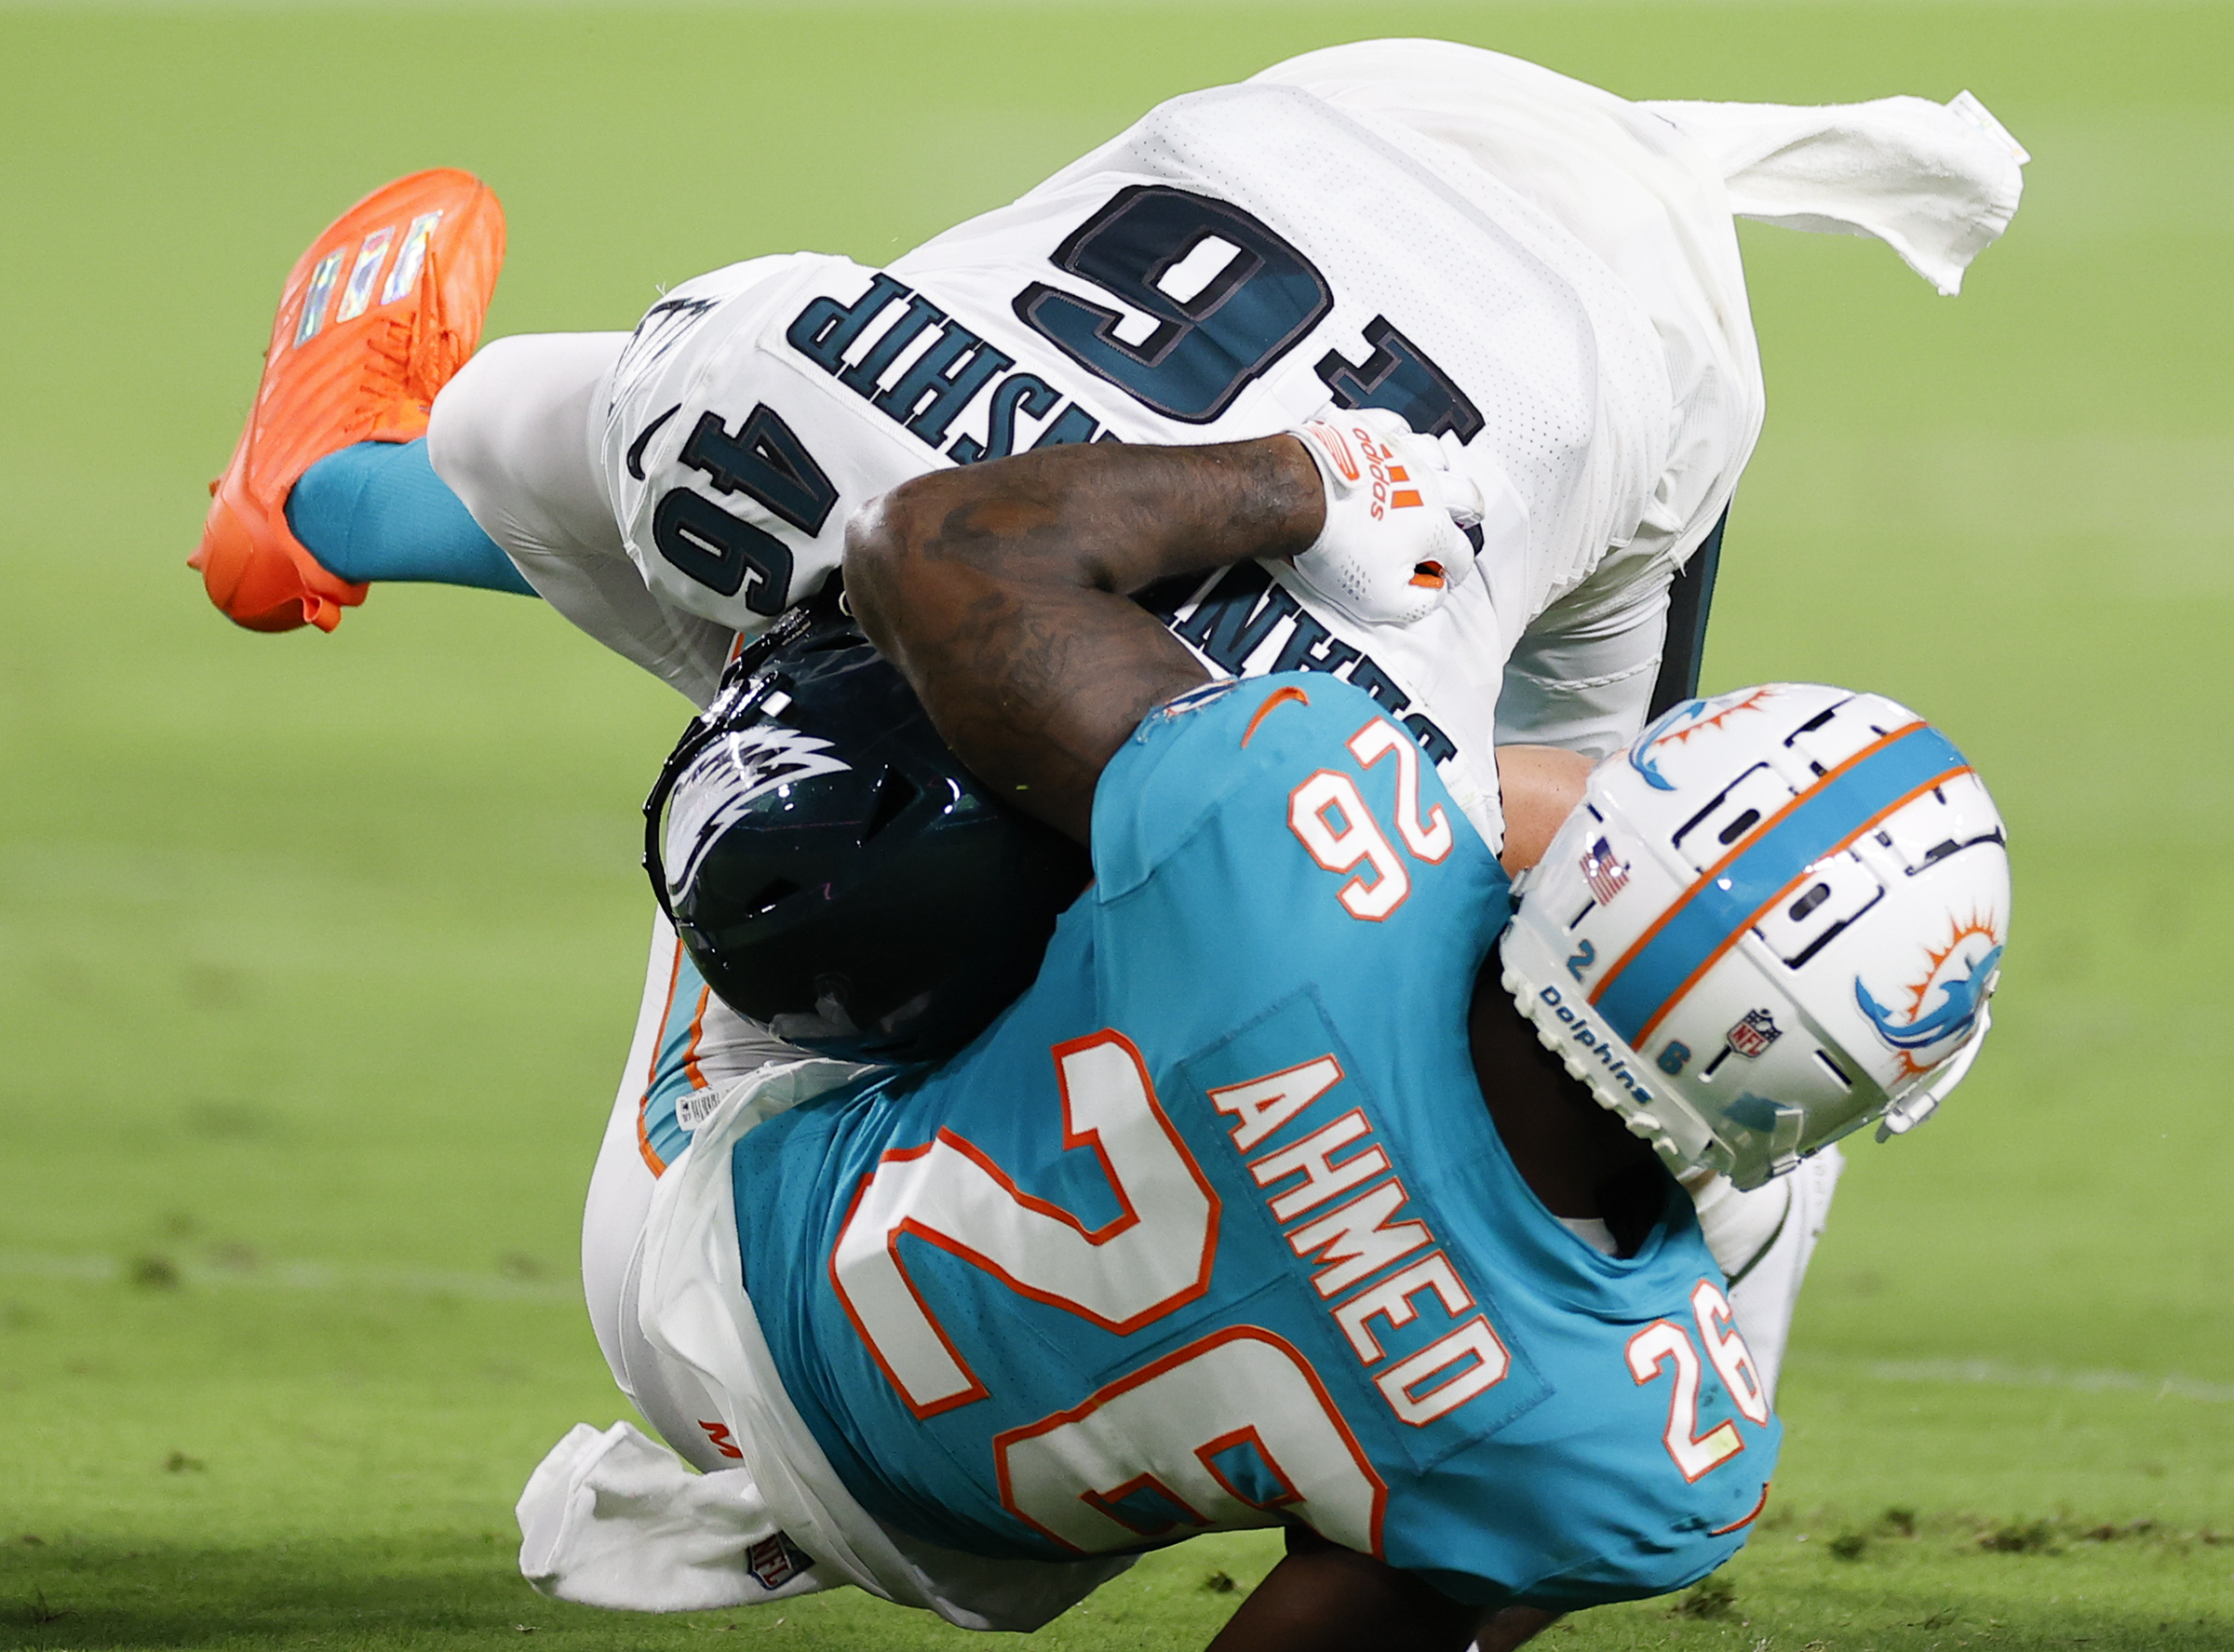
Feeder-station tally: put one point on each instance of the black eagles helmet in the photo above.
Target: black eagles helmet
(833, 870)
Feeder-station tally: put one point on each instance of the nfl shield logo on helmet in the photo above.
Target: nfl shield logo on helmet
(1755, 1033)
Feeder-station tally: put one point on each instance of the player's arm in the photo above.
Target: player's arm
(1325, 1598)
(1001, 591)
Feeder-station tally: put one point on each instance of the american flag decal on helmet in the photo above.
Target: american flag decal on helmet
(1605, 876)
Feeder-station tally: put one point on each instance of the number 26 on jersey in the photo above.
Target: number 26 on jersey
(1330, 818)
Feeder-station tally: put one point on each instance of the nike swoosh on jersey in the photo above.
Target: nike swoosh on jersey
(635, 448)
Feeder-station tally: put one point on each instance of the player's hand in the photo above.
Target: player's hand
(1393, 547)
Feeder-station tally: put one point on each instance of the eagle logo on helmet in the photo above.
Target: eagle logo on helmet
(1959, 995)
(738, 768)
(774, 754)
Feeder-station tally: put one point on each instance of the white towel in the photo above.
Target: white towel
(1936, 183)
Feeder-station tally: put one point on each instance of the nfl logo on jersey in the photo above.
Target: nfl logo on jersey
(773, 1561)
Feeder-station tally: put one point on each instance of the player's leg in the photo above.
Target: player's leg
(376, 512)
(621, 1186)
(376, 450)
(504, 480)
(513, 434)
(514, 438)
(609, 1518)
(688, 1048)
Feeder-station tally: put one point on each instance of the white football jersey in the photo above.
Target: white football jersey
(1239, 261)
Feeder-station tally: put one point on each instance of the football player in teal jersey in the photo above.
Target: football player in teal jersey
(1266, 1205)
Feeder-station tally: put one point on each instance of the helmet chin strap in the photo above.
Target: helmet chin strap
(1919, 1098)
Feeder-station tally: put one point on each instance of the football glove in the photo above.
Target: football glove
(1393, 547)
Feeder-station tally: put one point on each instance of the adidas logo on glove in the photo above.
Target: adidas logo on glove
(1394, 544)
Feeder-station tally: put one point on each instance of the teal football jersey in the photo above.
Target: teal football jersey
(1212, 1229)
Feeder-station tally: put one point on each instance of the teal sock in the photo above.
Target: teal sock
(377, 511)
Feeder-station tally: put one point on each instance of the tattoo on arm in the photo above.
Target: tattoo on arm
(1002, 591)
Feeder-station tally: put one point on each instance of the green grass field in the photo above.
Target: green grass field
(318, 955)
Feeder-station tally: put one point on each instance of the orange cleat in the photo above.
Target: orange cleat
(374, 319)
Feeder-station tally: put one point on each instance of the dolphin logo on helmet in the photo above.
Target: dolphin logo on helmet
(1640, 754)
(1680, 722)
(1963, 997)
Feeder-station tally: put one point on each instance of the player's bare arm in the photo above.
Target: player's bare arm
(1001, 592)
(1322, 1596)
(1539, 785)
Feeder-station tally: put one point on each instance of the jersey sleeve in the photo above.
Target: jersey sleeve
(1260, 838)
(1210, 754)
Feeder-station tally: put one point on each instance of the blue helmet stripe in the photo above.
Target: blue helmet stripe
(1646, 982)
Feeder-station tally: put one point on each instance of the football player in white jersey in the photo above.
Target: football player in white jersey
(1460, 265)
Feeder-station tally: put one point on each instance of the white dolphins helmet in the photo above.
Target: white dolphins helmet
(1776, 916)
